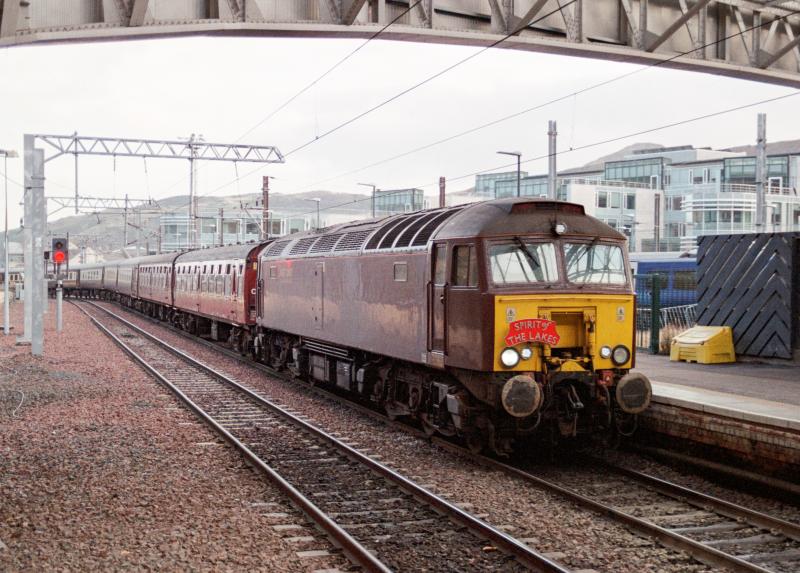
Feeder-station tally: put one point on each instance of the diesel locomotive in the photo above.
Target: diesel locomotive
(502, 322)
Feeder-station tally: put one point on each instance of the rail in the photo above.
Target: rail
(667, 537)
(359, 554)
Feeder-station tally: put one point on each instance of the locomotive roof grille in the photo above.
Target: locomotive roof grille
(276, 248)
(407, 235)
(388, 240)
(302, 246)
(325, 243)
(421, 239)
(352, 241)
(381, 232)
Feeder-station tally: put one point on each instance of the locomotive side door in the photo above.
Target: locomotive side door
(437, 306)
(318, 302)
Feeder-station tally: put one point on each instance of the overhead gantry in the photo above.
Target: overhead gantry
(750, 39)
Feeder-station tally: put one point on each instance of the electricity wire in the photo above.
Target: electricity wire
(516, 114)
(581, 147)
(311, 84)
(542, 105)
(425, 81)
(406, 91)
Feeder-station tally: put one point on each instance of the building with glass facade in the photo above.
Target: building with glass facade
(485, 183)
(663, 198)
(393, 201)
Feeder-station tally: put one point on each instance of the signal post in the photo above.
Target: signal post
(60, 256)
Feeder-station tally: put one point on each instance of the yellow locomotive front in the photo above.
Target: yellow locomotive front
(564, 319)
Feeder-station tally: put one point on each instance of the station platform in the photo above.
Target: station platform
(760, 393)
(749, 411)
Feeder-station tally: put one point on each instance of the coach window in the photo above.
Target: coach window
(465, 266)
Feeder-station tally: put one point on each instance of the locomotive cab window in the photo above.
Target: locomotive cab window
(594, 263)
(465, 266)
(523, 261)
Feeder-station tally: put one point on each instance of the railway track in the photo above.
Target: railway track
(381, 520)
(713, 531)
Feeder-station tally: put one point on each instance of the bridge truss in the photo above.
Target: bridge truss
(752, 39)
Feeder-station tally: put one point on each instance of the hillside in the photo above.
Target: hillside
(103, 231)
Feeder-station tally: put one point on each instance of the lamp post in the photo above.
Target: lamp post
(6, 153)
(316, 200)
(373, 196)
(518, 155)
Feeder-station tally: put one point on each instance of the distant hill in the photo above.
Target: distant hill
(103, 231)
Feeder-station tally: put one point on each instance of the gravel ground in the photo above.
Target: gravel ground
(575, 537)
(100, 469)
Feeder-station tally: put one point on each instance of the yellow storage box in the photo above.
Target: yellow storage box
(704, 345)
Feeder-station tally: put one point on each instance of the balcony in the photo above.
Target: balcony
(715, 187)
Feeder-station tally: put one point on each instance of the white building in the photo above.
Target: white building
(663, 198)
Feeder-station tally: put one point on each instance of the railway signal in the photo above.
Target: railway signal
(60, 251)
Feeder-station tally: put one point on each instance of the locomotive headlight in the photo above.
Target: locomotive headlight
(620, 355)
(526, 353)
(605, 352)
(560, 228)
(509, 357)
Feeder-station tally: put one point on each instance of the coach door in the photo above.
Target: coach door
(437, 305)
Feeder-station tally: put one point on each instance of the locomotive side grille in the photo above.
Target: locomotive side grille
(352, 241)
(327, 349)
(325, 243)
(301, 247)
(276, 248)
(388, 240)
(380, 233)
(411, 230)
(427, 231)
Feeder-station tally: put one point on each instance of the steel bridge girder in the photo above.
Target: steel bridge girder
(689, 34)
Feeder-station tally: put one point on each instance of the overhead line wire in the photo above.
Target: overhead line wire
(499, 120)
(582, 147)
(306, 88)
(542, 105)
(329, 70)
(405, 91)
(426, 80)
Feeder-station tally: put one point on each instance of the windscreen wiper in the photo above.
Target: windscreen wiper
(527, 252)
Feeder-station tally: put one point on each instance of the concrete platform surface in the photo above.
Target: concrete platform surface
(759, 393)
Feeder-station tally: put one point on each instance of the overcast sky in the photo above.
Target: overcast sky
(223, 87)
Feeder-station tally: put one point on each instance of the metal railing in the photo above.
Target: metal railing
(666, 306)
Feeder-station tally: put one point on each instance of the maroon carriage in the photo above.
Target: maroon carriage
(215, 292)
(155, 283)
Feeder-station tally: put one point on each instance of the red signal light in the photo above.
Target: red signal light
(58, 257)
